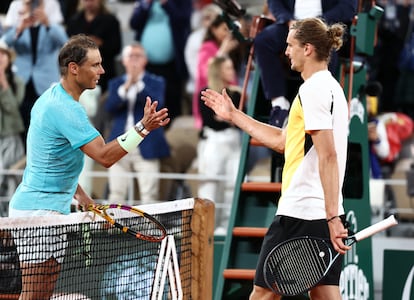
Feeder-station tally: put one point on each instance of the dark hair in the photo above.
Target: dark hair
(9, 72)
(11, 78)
(102, 10)
(209, 36)
(323, 37)
(75, 50)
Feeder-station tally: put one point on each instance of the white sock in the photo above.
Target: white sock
(281, 102)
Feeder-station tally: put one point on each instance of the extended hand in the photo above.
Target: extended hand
(221, 104)
(338, 232)
(154, 119)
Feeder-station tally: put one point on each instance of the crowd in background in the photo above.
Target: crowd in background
(180, 39)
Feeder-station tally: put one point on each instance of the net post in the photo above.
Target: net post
(202, 240)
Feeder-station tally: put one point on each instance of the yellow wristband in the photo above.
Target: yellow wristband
(130, 140)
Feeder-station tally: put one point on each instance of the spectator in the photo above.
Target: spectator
(194, 41)
(17, 7)
(36, 41)
(220, 143)
(379, 147)
(162, 27)
(95, 20)
(217, 41)
(126, 100)
(387, 132)
(404, 90)
(11, 125)
(270, 45)
(393, 28)
(69, 8)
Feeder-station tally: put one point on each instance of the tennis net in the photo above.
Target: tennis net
(98, 261)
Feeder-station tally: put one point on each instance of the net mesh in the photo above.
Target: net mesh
(96, 261)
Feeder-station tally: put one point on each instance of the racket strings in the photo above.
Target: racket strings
(297, 266)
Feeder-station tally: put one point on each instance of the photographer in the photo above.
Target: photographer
(36, 40)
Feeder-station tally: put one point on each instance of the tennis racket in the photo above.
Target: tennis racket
(131, 220)
(297, 265)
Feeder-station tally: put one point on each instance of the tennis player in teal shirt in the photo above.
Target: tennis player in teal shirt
(59, 126)
(59, 136)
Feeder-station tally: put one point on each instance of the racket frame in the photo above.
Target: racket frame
(101, 210)
(363, 234)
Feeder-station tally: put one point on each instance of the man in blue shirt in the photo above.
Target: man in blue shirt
(125, 102)
(60, 133)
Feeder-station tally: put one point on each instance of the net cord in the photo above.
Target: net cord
(87, 217)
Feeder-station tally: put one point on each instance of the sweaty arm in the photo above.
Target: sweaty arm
(323, 142)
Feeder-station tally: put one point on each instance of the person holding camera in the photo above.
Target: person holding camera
(218, 41)
(36, 37)
(11, 125)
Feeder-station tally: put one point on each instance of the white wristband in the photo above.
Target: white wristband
(130, 140)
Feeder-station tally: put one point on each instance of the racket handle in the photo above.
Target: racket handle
(122, 228)
(377, 227)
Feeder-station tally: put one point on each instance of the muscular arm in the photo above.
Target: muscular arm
(323, 141)
(108, 154)
(270, 136)
(328, 169)
(104, 154)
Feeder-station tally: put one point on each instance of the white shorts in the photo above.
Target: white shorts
(36, 245)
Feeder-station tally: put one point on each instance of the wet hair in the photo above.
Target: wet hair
(75, 50)
(322, 36)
